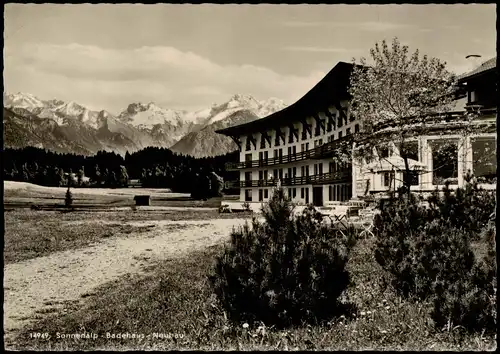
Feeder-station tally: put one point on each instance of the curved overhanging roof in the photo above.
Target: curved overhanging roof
(333, 87)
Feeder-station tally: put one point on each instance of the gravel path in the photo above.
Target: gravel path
(31, 286)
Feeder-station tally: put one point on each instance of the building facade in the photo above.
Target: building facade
(442, 155)
(295, 147)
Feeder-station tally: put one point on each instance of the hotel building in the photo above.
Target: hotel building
(296, 145)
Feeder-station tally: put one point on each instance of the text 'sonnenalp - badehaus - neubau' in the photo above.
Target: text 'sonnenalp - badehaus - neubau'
(295, 146)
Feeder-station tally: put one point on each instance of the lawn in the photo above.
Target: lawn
(34, 233)
(174, 299)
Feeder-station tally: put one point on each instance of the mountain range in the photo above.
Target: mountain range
(70, 127)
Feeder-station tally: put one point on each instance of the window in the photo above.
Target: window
(413, 178)
(484, 159)
(248, 179)
(444, 162)
(289, 192)
(320, 168)
(261, 198)
(294, 151)
(383, 152)
(302, 146)
(388, 178)
(248, 148)
(330, 193)
(248, 195)
(294, 171)
(280, 174)
(280, 152)
(315, 169)
(339, 120)
(261, 175)
(340, 135)
(302, 193)
(356, 128)
(266, 193)
(302, 171)
(248, 160)
(331, 167)
(275, 173)
(307, 146)
(294, 192)
(348, 131)
(410, 149)
(261, 158)
(320, 142)
(262, 142)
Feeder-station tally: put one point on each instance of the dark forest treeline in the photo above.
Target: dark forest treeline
(153, 166)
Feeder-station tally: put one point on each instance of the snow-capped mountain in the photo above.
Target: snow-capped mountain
(149, 115)
(238, 110)
(136, 127)
(22, 100)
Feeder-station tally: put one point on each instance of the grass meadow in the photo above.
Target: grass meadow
(173, 307)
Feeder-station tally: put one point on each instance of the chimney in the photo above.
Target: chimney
(474, 61)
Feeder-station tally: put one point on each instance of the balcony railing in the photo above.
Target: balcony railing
(444, 117)
(324, 178)
(319, 152)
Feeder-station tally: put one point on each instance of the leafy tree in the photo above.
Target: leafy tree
(397, 98)
(123, 179)
(80, 175)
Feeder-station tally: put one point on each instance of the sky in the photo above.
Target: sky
(106, 56)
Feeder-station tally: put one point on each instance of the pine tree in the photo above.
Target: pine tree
(68, 200)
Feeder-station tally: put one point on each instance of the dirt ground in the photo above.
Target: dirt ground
(39, 285)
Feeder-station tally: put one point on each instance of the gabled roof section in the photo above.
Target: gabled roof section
(487, 65)
(332, 87)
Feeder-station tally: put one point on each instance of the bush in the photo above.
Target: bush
(416, 250)
(427, 254)
(471, 302)
(285, 271)
(468, 208)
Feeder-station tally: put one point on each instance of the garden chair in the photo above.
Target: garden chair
(366, 219)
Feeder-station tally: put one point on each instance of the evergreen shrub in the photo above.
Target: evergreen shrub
(286, 270)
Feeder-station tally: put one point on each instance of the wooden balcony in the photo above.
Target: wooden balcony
(324, 178)
(319, 152)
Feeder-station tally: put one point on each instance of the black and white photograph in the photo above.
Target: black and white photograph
(223, 177)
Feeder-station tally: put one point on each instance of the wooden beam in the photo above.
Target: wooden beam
(252, 140)
(266, 137)
(294, 131)
(320, 122)
(237, 140)
(331, 121)
(307, 127)
(341, 110)
(280, 134)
